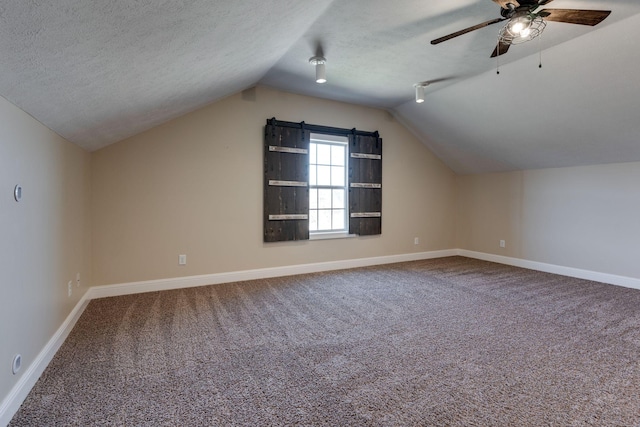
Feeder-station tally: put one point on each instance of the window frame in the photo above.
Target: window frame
(319, 138)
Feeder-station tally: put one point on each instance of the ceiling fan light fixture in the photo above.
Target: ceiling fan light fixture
(522, 28)
(321, 72)
(519, 25)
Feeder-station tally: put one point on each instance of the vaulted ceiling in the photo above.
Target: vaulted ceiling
(99, 72)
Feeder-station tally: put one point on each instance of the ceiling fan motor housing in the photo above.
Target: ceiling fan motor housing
(509, 11)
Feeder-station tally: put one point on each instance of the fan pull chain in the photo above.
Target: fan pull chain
(540, 48)
(498, 57)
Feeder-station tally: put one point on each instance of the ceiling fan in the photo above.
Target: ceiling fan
(524, 23)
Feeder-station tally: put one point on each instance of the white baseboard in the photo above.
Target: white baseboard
(264, 273)
(261, 273)
(11, 403)
(612, 279)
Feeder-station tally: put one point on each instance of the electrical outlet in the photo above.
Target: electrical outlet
(69, 288)
(416, 241)
(503, 244)
(182, 260)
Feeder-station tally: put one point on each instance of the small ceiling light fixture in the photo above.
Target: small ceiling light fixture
(321, 74)
(420, 91)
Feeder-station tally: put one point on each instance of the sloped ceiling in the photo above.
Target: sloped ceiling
(99, 72)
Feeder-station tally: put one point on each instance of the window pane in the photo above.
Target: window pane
(324, 199)
(327, 206)
(312, 175)
(338, 199)
(324, 154)
(313, 220)
(338, 219)
(313, 198)
(337, 176)
(337, 155)
(324, 219)
(324, 175)
(312, 153)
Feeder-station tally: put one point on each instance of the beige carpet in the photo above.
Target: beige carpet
(446, 342)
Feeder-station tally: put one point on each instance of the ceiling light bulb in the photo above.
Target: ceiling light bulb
(517, 27)
(321, 72)
(520, 26)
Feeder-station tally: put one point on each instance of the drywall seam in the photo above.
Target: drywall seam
(612, 279)
(21, 389)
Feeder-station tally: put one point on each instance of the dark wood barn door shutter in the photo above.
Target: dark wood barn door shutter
(365, 184)
(286, 177)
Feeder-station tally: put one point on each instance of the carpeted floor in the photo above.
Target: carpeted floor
(445, 342)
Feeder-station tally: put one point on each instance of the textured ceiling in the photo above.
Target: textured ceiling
(97, 72)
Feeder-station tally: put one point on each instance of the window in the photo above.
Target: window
(320, 182)
(328, 183)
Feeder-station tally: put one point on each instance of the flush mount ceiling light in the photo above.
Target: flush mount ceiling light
(321, 74)
(420, 91)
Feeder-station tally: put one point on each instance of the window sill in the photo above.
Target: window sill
(331, 235)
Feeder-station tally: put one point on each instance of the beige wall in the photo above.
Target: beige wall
(581, 217)
(45, 238)
(194, 186)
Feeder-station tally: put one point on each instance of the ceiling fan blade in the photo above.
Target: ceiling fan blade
(575, 16)
(501, 49)
(467, 30)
